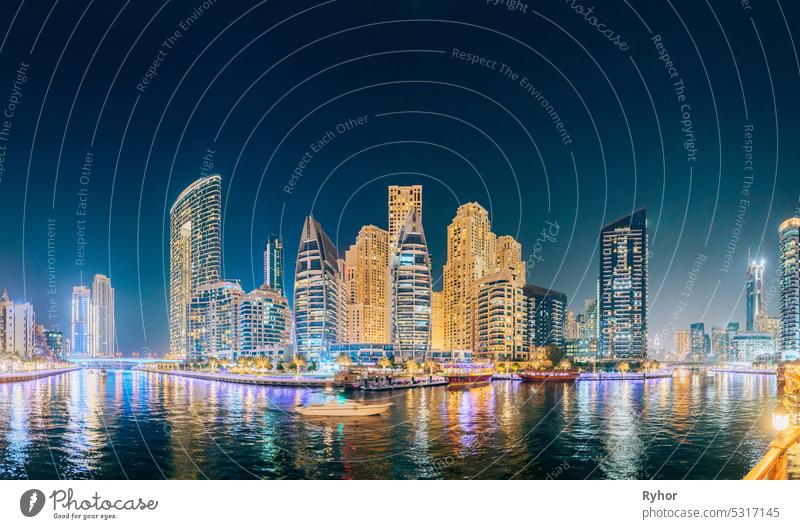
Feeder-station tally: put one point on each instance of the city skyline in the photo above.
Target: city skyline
(730, 198)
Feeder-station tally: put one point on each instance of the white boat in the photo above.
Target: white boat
(343, 409)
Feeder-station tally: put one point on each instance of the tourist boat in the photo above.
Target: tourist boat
(552, 376)
(459, 375)
(343, 409)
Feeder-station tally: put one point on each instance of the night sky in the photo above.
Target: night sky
(251, 86)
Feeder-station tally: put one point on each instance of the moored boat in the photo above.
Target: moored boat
(343, 409)
(553, 376)
(468, 374)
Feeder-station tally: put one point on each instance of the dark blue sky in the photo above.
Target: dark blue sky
(259, 82)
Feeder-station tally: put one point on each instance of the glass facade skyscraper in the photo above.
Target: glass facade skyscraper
(789, 276)
(756, 303)
(82, 337)
(273, 264)
(410, 272)
(546, 315)
(320, 309)
(103, 307)
(195, 252)
(622, 295)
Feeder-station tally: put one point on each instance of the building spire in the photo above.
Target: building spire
(5, 296)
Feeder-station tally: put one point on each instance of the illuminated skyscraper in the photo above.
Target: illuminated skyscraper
(683, 344)
(546, 312)
(104, 323)
(273, 264)
(17, 326)
(622, 296)
(471, 255)
(437, 320)
(402, 201)
(320, 308)
(756, 304)
(410, 273)
(588, 327)
(509, 256)
(82, 338)
(366, 279)
(698, 337)
(214, 320)
(789, 276)
(501, 318)
(195, 252)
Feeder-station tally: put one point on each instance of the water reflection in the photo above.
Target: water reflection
(137, 425)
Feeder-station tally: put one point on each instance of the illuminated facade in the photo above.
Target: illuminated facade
(789, 276)
(82, 323)
(622, 294)
(437, 320)
(195, 252)
(509, 256)
(320, 308)
(265, 325)
(410, 287)
(501, 318)
(17, 326)
(471, 256)
(402, 201)
(214, 320)
(682, 344)
(546, 312)
(103, 316)
(274, 264)
(366, 281)
(753, 347)
(756, 303)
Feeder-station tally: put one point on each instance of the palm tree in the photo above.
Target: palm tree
(299, 362)
(623, 367)
(564, 365)
(263, 363)
(344, 361)
(384, 363)
(514, 367)
(430, 365)
(412, 366)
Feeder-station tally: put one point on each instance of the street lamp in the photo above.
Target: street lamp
(780, 417)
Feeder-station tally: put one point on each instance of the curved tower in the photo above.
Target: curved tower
(195, 252)
(789, 275)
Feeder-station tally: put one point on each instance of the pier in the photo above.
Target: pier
(22, 376)
(260, 380)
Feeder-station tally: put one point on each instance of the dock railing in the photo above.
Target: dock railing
(775, 463)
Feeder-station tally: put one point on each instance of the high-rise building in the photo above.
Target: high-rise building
(265, 324)
(366, 280)
(17, 326)
(509, 256)
(753, 347)
(546, 312)
(273, 264)
(103, 320)
(410, 287)
(320, 308)
(402, 201)
(623, 287)
(195, 252)
(571, 326)
(768, 325)
(83, 339)
(588, 326)
(501, 318)
(437, 320)
(756, 303)
(214, 320)
(682, 344)
(697, 337)
(471, 255)
(789, 276)
(719, 343)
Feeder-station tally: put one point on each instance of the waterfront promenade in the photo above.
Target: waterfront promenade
(22, 376)
(261, 380)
